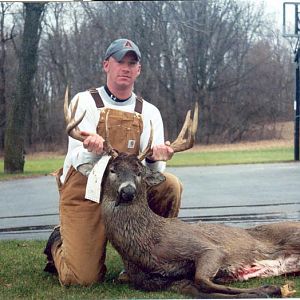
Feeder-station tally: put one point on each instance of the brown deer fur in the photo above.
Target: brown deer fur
(161, 253)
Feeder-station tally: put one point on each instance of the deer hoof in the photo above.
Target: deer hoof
(123, 277)
(287, 290)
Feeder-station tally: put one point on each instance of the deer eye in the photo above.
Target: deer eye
(113, 171)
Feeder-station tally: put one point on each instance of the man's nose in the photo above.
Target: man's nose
(126, 66)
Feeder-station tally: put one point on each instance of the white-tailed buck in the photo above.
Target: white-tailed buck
(196, 259)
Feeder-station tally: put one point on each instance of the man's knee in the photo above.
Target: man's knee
(174, 184)
(173, 198)
(79, 271)
(83, 278)
(165, 198)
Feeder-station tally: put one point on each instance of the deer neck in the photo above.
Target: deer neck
(132, 229)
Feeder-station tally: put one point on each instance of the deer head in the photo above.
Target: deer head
(125, 178)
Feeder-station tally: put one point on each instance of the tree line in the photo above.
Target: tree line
(224, 54)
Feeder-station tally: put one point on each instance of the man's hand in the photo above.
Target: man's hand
(93, 142)
(161, 152)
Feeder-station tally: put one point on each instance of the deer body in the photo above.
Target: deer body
(161, 253)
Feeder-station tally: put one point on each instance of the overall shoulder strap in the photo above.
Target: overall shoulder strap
(97, 98)
(138, 104)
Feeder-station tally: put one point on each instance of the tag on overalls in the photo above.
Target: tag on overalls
(131, 144)
(93, 186)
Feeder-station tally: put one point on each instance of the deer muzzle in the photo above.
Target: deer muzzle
(126, 193)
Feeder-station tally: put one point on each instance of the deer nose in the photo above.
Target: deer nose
(126, 193)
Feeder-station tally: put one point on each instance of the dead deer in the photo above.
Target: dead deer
(195, 259)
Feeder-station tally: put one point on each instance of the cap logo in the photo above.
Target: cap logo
(127, 44)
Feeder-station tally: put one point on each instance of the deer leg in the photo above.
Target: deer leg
(142, 280)
(259, 292)
(206, 268)
(189, 288)
(152, 282)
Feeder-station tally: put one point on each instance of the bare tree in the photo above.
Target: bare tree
(15, 130)
(217, 52)
(5, 36)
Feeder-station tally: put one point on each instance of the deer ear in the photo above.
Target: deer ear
(153, 177)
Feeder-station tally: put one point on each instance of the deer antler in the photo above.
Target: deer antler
(73, 130)
(180, 144)
(189, 127)
(148, 149)
(72, 124)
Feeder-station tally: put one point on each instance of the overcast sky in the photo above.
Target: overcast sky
(275, 9)
(272, 6)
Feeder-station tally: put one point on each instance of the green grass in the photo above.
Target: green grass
(22, 277)
(35, 166)
(232, 157)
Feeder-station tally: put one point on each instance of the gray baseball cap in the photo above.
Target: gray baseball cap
(118, 48)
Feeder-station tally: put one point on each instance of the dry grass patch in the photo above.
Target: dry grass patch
(285, 130)
(257, 145)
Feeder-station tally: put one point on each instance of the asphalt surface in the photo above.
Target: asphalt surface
(237, 195)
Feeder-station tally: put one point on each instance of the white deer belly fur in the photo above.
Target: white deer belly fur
(266, 268)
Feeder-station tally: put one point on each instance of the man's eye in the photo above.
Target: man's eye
(130, 63)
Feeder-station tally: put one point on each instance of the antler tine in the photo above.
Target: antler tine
(108, 147)
(148, 149)
(66, 106)
(72, 124)
(194, 125)
(195, 119)
(189, 127)
(74, 109)
(184, 128)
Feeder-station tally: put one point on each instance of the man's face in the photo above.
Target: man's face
(122, 74)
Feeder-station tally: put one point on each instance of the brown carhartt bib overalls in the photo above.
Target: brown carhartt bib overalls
(79, 258)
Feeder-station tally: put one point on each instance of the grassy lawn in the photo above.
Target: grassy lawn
(35, 166)
(22, 277)
(207, 158)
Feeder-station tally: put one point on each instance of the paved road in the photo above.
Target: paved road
(239, 195)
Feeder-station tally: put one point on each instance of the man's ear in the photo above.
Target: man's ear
(140, 69)
(105, 65)
(153, 177)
